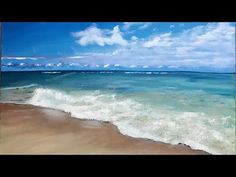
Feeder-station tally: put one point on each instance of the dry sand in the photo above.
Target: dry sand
(26, 129)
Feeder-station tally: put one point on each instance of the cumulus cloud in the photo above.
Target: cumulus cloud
(211, 46)
(101, 37)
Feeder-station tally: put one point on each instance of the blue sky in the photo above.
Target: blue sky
(146, 45)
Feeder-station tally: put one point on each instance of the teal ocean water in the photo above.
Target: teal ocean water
(197, 109)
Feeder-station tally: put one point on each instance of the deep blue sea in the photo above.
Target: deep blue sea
(197, 109)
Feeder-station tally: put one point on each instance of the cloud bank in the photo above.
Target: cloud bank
(211, 45)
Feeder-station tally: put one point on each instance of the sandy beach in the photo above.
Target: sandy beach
(26, 129)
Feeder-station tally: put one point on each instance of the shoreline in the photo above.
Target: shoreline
(28, 129)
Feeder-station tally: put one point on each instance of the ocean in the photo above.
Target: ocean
(197, 109)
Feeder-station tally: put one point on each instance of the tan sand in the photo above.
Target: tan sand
(26, 129)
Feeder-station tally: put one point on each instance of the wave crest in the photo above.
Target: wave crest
(137, 119)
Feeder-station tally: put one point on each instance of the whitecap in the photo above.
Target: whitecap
(138, 119)
(19, 87)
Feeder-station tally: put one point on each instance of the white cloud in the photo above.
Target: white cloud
(153, 42)
(59, 64)
(145, 25)
(183, 50)
(9, 64)
(172, 26)
(76, 57)
(133, 66)
(134, 38)
(214, 36)
(204, 45)
(140, 25)
(21, 58)
(173, 66)
(154, 29)
(106, 65)
(101, 37)
(210, 46)
(161, 40)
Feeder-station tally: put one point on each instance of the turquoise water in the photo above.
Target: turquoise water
(197, 109)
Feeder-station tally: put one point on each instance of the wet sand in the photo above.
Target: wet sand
(27, 129)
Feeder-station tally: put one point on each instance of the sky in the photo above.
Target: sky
(119, 45)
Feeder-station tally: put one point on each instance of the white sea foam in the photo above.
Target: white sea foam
(138, 119)
(105, 72)
(51, 72)
(138, 72)
(163, 73)
(19, 87)
(61, 76)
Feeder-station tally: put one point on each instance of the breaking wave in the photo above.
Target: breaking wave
(138, 119)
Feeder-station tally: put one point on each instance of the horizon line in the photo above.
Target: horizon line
(210, 72)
